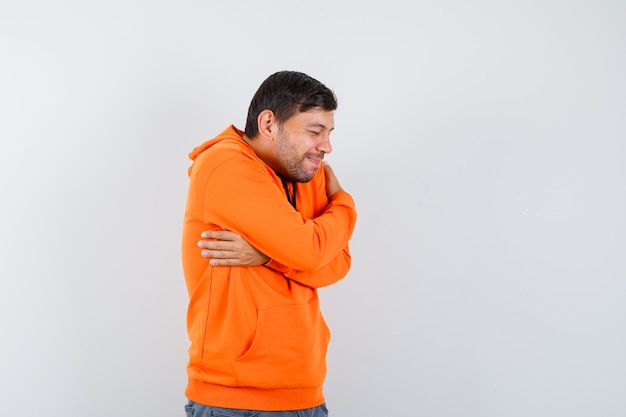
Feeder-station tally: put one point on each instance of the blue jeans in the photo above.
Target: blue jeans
(194, 409)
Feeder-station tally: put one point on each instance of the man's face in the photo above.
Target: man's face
(302, 142)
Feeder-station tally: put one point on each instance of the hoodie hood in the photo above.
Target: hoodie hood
(230, 133)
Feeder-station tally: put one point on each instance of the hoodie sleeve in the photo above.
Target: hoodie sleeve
(328, 274)
(240, 194)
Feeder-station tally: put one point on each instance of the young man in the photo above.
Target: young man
(278, 225)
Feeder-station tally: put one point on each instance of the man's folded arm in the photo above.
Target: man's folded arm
(326, 275)
(255, 207)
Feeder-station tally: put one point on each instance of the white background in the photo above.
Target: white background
(484, 142)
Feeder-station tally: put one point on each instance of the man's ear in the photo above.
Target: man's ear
(268, 127)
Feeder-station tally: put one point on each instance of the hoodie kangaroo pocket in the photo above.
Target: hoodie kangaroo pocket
(288, 350)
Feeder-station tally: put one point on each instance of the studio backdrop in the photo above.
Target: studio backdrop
(483, 142)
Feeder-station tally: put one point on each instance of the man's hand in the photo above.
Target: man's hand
(226, 248)
(332, 183)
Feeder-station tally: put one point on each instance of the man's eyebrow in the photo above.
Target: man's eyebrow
(318, 124)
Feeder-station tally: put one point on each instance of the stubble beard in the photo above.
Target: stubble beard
(292, 165)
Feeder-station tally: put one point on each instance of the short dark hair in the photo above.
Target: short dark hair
(287, 93)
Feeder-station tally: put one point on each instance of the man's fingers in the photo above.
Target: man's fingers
(209, 244)
(219, 235)
(226, 248)
(217, 254)
(219, 245)
(224, 262)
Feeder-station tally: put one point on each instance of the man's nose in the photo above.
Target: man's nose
(324, 145)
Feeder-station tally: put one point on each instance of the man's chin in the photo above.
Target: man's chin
(308, 177)
(301, 175)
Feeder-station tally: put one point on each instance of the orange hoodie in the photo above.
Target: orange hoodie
(258, 338)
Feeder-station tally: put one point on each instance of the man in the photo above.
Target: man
(278, 225)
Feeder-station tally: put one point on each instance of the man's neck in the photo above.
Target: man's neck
(263, 148)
